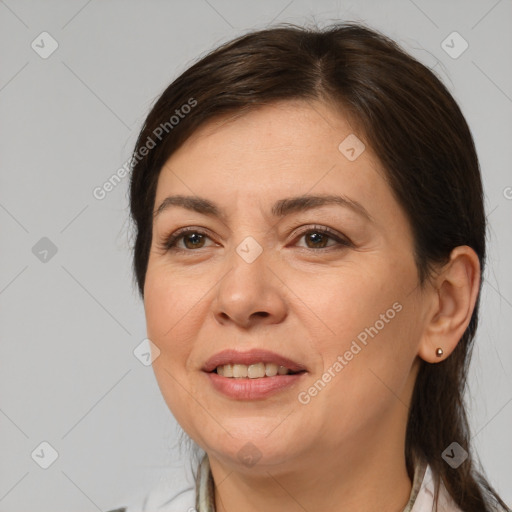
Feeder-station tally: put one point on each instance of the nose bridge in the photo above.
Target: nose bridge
(249, 289)
(249, 270)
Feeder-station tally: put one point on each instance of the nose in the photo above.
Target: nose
(251, 293)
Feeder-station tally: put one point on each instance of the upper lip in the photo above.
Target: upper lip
(249, 357)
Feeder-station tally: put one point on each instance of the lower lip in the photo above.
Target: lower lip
(253, 389)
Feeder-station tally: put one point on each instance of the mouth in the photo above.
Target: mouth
(252, 375)
(253, 371)
(254, 364)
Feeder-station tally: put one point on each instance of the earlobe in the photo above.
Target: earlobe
(452, 303)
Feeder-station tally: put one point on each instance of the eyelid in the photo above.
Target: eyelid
(168, 242)
(175, 236)
(339, 237)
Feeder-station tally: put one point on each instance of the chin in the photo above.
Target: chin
(252, 447)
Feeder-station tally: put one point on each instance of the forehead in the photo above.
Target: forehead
(282, 149)
(293, 128)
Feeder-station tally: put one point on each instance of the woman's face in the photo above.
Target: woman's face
(261, 275)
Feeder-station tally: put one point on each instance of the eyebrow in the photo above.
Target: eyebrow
(281, 208)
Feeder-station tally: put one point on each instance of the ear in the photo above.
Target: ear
(452, 303)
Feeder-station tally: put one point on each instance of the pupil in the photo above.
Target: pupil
(195, 236)
(316, 237)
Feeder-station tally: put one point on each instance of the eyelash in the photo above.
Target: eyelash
(169, 242)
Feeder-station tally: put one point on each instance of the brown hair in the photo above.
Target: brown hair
(415, 127)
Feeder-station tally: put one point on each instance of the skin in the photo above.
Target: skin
(344, 450)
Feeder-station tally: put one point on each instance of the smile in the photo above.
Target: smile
(251, 375)
(252, 371)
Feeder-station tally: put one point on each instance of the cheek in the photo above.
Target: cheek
(346, 301)
(367, 319)
(169, 311)
(362, 382)
(170, 304)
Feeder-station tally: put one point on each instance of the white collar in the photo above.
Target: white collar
(423, 492)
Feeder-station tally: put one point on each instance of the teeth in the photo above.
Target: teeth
(282, 370)
(256, 371)
(270, 370)
(253, 371)
(239, 370)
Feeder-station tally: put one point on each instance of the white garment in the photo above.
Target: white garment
(167, 497)
(425, 498)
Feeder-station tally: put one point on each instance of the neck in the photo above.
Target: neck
(367, 474)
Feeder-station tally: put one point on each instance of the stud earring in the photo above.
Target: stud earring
(439, 352)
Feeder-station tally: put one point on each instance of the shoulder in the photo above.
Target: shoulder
(425, 497)
(172, 495)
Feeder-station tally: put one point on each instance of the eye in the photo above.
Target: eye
(192, 239)
(318, 236)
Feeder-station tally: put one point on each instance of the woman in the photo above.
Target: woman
(310, 241)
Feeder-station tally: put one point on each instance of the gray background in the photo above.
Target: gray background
(69, 321)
